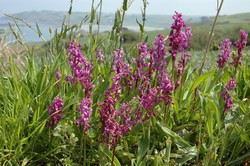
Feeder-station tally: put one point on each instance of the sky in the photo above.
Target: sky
(186, 7)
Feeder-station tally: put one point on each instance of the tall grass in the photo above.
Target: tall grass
(191, 128)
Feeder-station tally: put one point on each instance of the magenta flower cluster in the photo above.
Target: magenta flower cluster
(150, 64)
(149, 98)
(58, 77)
(99, 55)
(85, 109)
(159, 53)
(116, 123)
(240, 44)
(225, 52)
(179, 36)
(81, 73)
(226, 96)
(141, 63)
(55, 111)
(80, 67)
(122, 70)
(149, 67)
(165, 88)
(179, 42)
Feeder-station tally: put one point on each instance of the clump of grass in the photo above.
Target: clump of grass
(134, 108)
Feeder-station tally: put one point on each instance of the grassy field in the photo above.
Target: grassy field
(162, 100)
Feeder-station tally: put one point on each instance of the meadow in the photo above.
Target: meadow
(170, 97)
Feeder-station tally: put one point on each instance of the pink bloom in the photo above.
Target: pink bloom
(159, 53)
(119, 65)
(226, 96)
(177, 84)
(58, 77)
(140, 61)
(225, 52)
(179, 36)
(181, 65)
(82, 72)
(231, 84)
(122, 70)
(80, 67)
(149, 99)
(165, 88)
(55, 111)
(116, 123)
(69, 79)
(240, 44)
(99, 55)
(86, 111)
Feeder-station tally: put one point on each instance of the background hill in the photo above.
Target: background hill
(54, 18)
(227, 25)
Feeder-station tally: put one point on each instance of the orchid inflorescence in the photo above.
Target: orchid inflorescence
(226, 95)
(81, 73)
(55, 111)
(149, 81)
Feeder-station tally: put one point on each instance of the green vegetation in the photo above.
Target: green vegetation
(145, 110)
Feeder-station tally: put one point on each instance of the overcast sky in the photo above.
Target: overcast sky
(186, 7)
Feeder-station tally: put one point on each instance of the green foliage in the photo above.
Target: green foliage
(194, 130)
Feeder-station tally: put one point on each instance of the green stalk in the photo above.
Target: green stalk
(113, 156)
(207, 49)
(92, 18)
(51, 136)
(124, 9)
(200, 72)
(199, 136)
(143, 18)
(81, 146)
(120, 29)
(168, 149)
(173, 66)
(84, 146)
(165, 112)
(210, 37)
(99, 22)
(69, 12)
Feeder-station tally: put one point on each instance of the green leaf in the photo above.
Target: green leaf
(209, 118)
(141, 26)
(125, 5)
(242, 133)
(167, 132)
(239, 160)
(38, 30)
(143, 147)
(70, 9)
(92, 18)
(246, 72)
(104, 150)
(199, 80)
(213, 83)
(185, 159)
(216, 111)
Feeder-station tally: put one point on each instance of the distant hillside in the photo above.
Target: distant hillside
(227, 25)
(53, 18)
(236, 18)
(242, 18)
